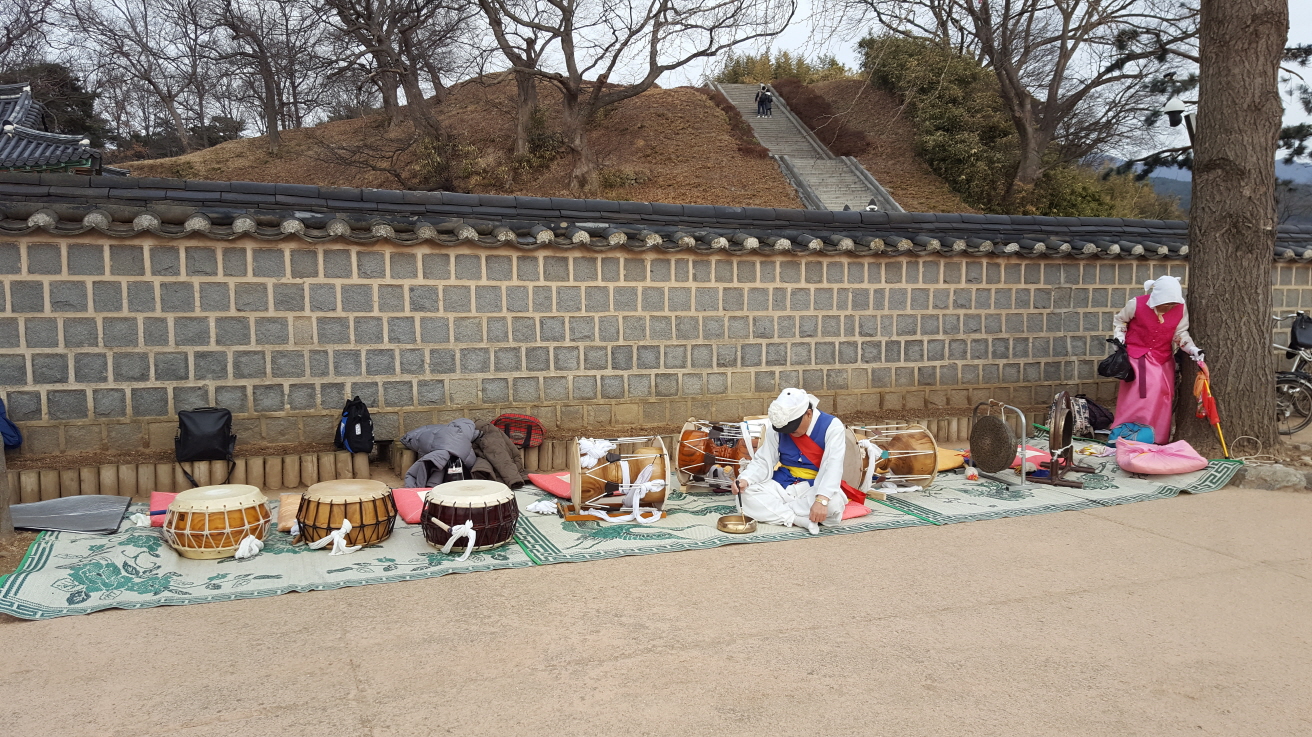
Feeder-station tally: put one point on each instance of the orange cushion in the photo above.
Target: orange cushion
(410, 503)
(159, 502)
(556, 484)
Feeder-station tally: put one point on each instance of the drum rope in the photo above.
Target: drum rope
(338, 539)
(250, 547)
(592, 450)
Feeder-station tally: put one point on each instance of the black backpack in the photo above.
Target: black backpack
(355, 432)
(205, 434)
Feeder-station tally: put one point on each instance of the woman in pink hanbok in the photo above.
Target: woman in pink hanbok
(1153, 326)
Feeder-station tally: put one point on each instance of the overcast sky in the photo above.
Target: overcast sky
(798, 37)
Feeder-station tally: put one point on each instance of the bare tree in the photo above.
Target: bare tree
(22, 31)
(1232, 220)
(136, 38)
(392, 33)
(595, 43)
(523, 45)
(1070, 73)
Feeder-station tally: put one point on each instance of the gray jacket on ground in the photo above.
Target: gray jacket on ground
(436, 446)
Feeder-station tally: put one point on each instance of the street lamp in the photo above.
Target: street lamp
(1175, 110)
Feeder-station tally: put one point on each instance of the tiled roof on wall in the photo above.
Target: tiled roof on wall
(17, 105)
(65, 204)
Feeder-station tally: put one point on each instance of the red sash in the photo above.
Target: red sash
(813, 454)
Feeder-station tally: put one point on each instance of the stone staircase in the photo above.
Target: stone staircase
(824, 181)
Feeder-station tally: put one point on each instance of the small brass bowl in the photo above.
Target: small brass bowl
(736, 524)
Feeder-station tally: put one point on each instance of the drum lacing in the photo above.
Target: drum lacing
(633, 493)
(458, 531)
(592, 450)
(338, 539)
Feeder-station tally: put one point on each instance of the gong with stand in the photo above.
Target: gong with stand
(993, 442)
(1061, 445)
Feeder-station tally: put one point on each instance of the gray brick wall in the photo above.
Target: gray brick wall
(123, 335)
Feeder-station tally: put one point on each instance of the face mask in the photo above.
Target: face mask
(791, 427)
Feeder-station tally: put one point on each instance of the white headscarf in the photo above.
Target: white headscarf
(789, 405)
(1162, 290)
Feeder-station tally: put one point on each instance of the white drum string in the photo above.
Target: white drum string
(591, 450)
(338, 539)
(458, 531)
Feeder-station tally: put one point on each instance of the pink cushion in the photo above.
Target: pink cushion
(409, 504)
(556, 484)
(854, 510)
(1146, 458)
(1033, 455)
(159, 501)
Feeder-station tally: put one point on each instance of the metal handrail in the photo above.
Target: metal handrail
(810, 199)
(882, 196)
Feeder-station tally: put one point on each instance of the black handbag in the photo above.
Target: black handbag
(205, 434)
(1300, 334)
(1117, 365)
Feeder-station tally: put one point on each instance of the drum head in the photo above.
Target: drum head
(992, 444)
(470, 493)
(222, 496)
(346, 490)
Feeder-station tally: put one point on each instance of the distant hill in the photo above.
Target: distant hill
(665, 145)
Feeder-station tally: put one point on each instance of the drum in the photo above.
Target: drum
(713, 453)
(367, 504)
(211, 521)
(607, 483)
(908, 454)
(490, 505)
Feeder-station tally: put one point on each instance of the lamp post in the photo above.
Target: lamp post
(1176, 113)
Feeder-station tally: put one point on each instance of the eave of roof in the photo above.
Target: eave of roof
(122, 207)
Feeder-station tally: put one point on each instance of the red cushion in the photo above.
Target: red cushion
(159, 501)
(410, 503)
(854, 510)
(1033, 455)
(556, 484)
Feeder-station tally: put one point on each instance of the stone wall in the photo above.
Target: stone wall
(101, 343)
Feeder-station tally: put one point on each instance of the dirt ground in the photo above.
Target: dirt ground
(1181, 616)
(12, 551)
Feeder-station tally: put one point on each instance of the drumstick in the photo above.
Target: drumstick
(445, 527)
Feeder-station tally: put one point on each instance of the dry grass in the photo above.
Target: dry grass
(892, 157)
(666, 145)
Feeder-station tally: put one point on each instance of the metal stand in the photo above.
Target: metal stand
(1061, 430)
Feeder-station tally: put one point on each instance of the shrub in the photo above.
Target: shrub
(818, 115)
(748, 69)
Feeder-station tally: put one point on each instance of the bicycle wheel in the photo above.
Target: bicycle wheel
(1293, 404)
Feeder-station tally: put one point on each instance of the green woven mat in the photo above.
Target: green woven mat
(66, 573)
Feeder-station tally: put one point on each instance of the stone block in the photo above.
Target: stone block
(702, 356)
(423, 298)
(232, 398)
(585, 269)
(45, 258)
(269, 263)
(495, 391)
(107, 296)
(66, 404)
(368, 330)
(41, 332)
(337, 264)
(434, 330)
(332, 395)
(125, 261)
(675, 356)
(234, 262)
(612, 387)
(141, 296)
(202, 261)
(27, 296)
(333, 330)
(442, 361)
(190, 397)
(110, 403)
(177, 297)
(9, 336)
(398, 393)
(289, 297)
(455, 299)
(357, 298)
(584, 387)
(475, 360)
(86, 259)
(639, 385)
(249, 365)
(268, 330)
(431, 392)
(391, 298)
(191, 331)
(49, 368)
(469, 266)
(164, 261)
(707, 299)
(507, 360)
(565, 358)
(268, 398)
(90, 368)
(526, 389)
(808, 326)
(347, 363)
(22, 406)
(487, 299)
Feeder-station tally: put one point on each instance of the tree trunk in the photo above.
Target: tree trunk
(583, 178)
(421, 113)
(271, 108)
(527, 88)
(387, 85)
(1232, 217)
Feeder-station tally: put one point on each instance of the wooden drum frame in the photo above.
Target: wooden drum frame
(490, 505)
(712, 454)
(912, 454)
(369, 506)
(210, 522)
(602, 487)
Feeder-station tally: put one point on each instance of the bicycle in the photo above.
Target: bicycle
(1293, 387)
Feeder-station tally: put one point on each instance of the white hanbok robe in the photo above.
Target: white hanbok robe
(765, 500)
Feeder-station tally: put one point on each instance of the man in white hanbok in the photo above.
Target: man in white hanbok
(781, 485)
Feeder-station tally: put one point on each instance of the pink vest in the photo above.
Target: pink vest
(1145, 336)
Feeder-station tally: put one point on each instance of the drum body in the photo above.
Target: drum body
(912, 458)
(211, 521)
(490, 505)
(713, 453)
(367, 504)
(602, 485)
